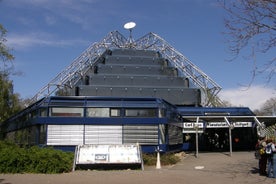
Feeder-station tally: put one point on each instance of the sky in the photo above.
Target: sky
(47, 35)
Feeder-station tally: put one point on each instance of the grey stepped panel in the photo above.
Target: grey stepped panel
(134, 52)
(170, 71)
(131, 69)
(186, 96)
(132, 73)
(135, 60)
(119, 80)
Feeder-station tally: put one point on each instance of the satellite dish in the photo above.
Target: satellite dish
(130, 25)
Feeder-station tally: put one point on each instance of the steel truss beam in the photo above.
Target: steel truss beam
(70, 76)
(75, 71)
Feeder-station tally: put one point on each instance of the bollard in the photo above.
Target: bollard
(158, 162)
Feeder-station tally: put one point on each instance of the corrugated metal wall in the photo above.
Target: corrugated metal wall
(65, 134)
(141, 134)
(102, 134)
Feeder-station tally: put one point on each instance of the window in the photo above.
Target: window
(34, 114)
(97, 112)
(115, 112)
(140, 112)
(161, 113)
(42, 134)
(43, 112)
(103, 112)
(66, 112)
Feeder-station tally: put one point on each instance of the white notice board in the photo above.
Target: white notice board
(108, 154)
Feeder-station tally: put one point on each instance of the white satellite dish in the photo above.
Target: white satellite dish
(130, 25)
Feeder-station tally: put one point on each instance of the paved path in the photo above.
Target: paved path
(208, 168)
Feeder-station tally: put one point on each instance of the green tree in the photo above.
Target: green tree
(4, 50)
(9, 102)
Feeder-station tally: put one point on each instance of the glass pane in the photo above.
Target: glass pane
(140, 112)
(97, 112)
(43, 112)
(65, 112)
(115, 112)
(161, 113)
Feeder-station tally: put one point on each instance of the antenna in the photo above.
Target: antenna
(129, 26)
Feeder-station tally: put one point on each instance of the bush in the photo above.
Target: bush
(15, 159)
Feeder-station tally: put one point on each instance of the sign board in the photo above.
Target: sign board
(242, 124)
(190, 127)
(225, 125)
(193, 127)
(217, 125)
(108, 154)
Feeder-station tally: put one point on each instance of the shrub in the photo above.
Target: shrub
(15, 159)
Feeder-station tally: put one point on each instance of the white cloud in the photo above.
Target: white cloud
(21, 41)
(253, 97)
(83, 13)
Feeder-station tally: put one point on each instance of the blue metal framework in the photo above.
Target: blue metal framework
(157, 114)
(163, 121)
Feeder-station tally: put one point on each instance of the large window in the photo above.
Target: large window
(66, 112)
(161, 113)
(97, 112)
(43, 112)
(42, 134)
(102, 112)
(140, 112)
(25, 136)
(115, 112)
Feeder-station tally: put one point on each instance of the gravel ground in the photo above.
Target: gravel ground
(208, 168)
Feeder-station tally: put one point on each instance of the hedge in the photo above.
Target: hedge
(15, 159)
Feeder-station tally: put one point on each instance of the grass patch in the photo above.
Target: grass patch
(165, 159)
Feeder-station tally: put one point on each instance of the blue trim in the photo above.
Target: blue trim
(205, 111)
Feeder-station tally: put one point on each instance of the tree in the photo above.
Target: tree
(252, 23)
(4, 50)
(9, 102)
(268, 108)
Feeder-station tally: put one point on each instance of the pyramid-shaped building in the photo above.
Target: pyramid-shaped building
(147, 67)
(122, 91)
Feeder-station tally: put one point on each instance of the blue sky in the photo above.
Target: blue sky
(47, 35)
